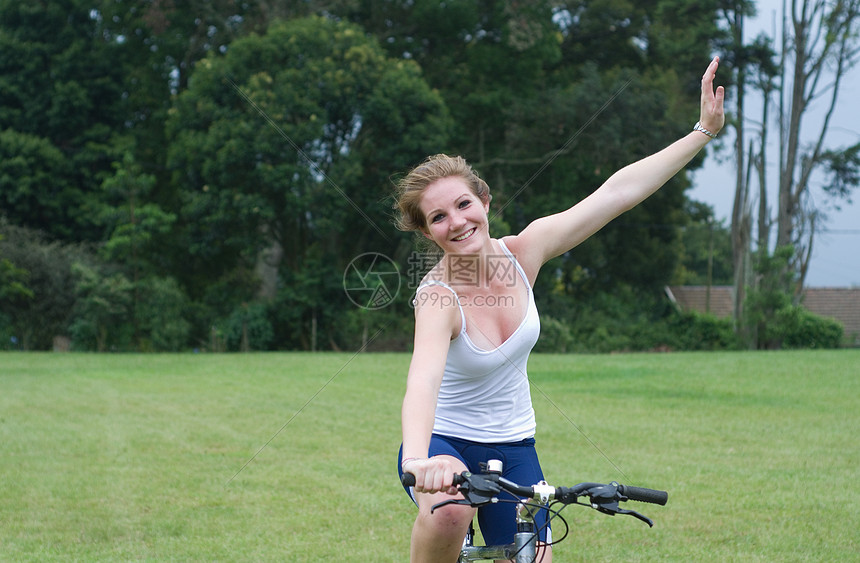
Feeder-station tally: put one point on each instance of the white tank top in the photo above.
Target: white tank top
(484, 395)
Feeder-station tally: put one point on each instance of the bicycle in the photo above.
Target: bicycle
(485, 487)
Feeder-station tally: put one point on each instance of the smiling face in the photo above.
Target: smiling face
(455, 218)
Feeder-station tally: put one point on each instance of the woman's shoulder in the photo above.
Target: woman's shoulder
(514, 244)
(435, 284)
(528, 260)
(436, 277)
(436, 304)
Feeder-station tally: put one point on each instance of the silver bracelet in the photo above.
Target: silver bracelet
(698, 127)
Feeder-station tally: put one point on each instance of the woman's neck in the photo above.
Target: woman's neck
(472, 269)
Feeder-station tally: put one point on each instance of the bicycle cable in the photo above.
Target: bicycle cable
(553, 514)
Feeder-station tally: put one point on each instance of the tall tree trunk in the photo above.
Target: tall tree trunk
(788, 201)
(740, 246)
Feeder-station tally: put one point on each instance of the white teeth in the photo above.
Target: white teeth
(464, 236)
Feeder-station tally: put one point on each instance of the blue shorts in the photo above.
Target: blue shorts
(520, 465)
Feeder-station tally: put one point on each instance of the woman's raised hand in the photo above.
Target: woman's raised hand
(711, 114)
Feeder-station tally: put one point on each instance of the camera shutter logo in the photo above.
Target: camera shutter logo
(371, 280)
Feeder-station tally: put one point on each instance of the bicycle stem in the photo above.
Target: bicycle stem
(526, 511)
(525, 539)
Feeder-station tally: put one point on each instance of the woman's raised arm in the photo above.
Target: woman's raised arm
(554, 235)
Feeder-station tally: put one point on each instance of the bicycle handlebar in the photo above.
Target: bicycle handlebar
(599, 493)
(408, 479)
(642, 494)
(484, 488)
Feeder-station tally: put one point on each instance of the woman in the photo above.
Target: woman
(467, 397)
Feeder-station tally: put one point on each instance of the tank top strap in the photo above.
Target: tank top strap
(429, 283)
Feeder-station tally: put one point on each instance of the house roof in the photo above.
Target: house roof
(840, 303)
(717, 300)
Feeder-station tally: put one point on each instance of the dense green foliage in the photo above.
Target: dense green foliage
(201, 175)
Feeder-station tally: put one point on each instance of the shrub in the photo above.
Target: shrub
(701, 331)
(101, 311)
(555, 336)
(249, 328)
(45, 270)
(387, 329)
(800, 328)
(160, 313)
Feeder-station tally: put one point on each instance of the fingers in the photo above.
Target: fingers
(711, 114)
(708, 77)
(713, 66)
(434, 475)
(437, 478)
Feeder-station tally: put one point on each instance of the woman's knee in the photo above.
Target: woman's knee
(450, 520)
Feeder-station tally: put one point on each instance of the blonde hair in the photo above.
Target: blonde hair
(411, 187)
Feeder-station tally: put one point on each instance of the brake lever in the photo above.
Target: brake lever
(641, 517)
(612, 509)
(447, 502)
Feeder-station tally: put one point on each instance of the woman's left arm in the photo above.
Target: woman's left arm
(554, 235)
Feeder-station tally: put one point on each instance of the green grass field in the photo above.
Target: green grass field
(291, 457)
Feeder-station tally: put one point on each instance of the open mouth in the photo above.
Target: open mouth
(465, 235)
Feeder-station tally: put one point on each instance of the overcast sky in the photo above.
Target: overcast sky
(836, 252)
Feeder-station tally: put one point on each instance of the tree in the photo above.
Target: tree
(137, 232)
(36, 188)
(818, 47)
(160, 315)
(222, 163)
(746, 64)
(45, 267)
(82, 82)
(135, 227)
(545, 120)
(486, 59)
(820, 44)
(61, 108)
(774, 317)
(707, 257)
(161, 42)
(283, 145)
(13, 281)
(598, 119)
(100, 317)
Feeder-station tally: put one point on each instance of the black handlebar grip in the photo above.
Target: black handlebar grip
(408, 479)
(644, 495)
